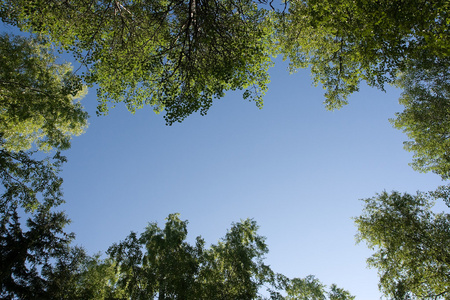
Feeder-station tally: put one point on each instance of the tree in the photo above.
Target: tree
(411, 244)
(28, 182)
(174, 55)
(179, 55)
(234, 268)
(36, 108)
(346, 42)
(160, 264)
(37, 260)
(30, 188)
(308, 288)
(37, 97)
(23, 253)
(77, 276)
(399, 42)
(337, 293)
(166, 269)
(426, 118)
(304, 289)
(39, 263)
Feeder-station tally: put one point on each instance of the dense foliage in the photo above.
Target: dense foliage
(37, 109)
(29, 182)
(32, 188)
(426, 118)
(346, 42)
(24, 254)
(179, 55)
(411, 243)
(37, 99)
(173, 55)
(160, 264)
(40, 264)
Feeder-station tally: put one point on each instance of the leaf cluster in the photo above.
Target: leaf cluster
(411, 244)
(160, 264)
(175, 55)
(31, 188)
(37, 97)
(29, 182)
(179, 55)
(426, 117)
(347, 42)
(24, 254)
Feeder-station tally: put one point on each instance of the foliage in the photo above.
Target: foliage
(36, 107)
(379, 42)
(37, 260)
(23, 254)
(160, 264)
(167, 268)
(179, 55)
(170, 268)
(337, 293)
(309, 288)
(346, 42)
(174, 55)
(32, 187)
(426, 118)
(40, 263)
(76, 276)
(411, 244)
(443, 193)
(28, 182)
(37, 97)
(234, 268)
(304, 289)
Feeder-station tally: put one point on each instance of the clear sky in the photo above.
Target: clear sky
(293, 166)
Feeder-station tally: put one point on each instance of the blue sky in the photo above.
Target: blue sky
(293, 166)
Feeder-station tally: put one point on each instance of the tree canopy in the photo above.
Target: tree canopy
(160, 264)
(40, 263)
(347, 42)
(37, 109)
(29, 182)
(411, 244)
(25, 253)
(178, 55)
(37, 97)
(426, 118)
(30, 189)
(173, 55)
